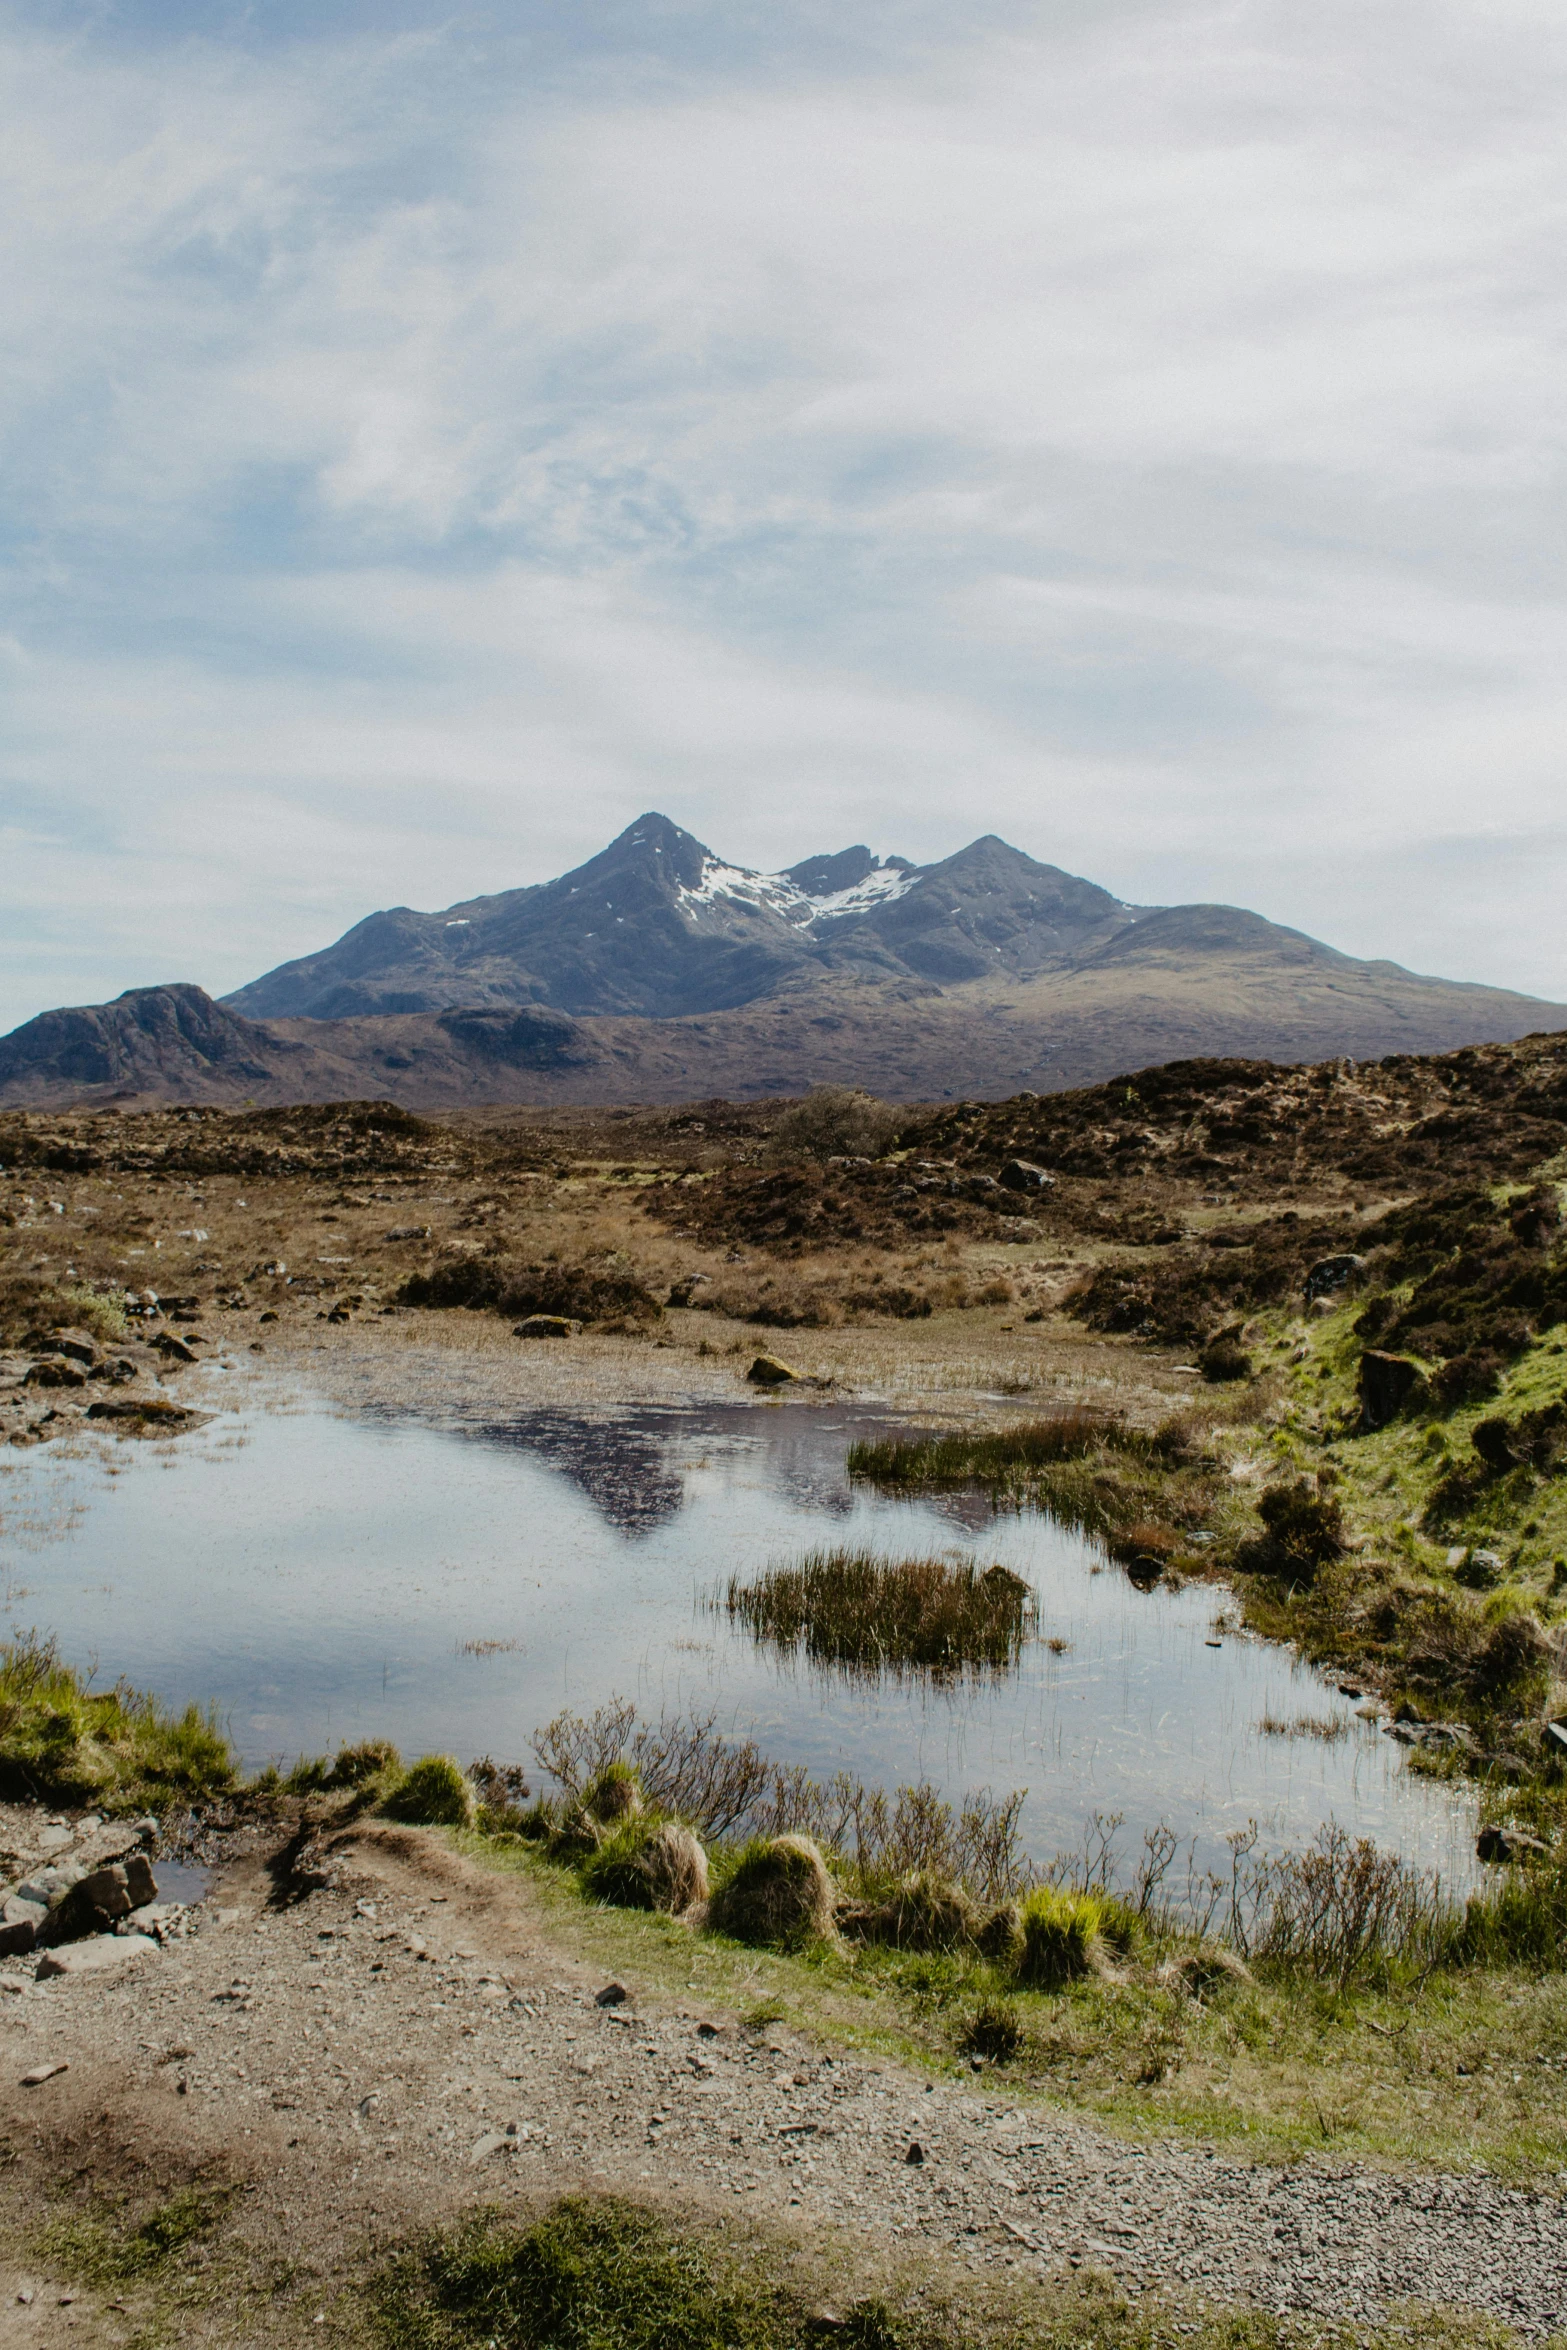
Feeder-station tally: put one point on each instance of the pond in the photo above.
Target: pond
(323, 1576)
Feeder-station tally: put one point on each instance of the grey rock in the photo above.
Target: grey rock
(52, 1883)
(93, 1956)
(1331, 1274)
(1023, 1175)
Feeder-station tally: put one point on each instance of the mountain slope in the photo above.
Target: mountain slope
(909, 1041)
(657, 925)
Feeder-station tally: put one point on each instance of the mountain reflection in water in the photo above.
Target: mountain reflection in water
(323, 1576)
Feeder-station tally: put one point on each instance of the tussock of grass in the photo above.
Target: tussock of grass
(62, 1742)
(872, 1615)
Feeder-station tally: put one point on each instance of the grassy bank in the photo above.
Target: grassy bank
(117, 1749)
(1460, 2069)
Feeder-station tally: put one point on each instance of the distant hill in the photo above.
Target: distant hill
(658, 973)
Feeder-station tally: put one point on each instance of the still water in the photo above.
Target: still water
(322, 1577)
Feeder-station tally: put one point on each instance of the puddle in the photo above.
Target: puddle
(177, 1881)
(324, 1578)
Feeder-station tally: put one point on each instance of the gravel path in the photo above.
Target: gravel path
(402, 2039)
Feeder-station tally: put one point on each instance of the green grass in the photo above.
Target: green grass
(870, 1615)
(101, 2248)
(604, 2273)
(63, 1742)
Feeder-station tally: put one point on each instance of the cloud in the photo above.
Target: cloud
(1135, 431)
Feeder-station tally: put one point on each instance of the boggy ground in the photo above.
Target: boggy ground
(370, 2036)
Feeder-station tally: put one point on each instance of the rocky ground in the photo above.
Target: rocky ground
(367, 2032)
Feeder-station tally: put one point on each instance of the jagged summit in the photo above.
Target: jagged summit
(657, 971)
(657, 924)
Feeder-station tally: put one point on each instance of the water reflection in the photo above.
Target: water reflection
(327, 1578)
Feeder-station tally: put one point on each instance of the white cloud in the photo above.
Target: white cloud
(1137, 434)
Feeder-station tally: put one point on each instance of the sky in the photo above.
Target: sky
(429, 439)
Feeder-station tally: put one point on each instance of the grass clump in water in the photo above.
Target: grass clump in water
(62, 1742)
(988, 1456)
(871, 1615)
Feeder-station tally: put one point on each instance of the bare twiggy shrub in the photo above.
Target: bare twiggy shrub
(836, 1121)
(1339, 1909)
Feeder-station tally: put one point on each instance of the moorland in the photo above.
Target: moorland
(1297, 1332)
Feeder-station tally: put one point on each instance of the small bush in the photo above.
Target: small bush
(613, 1871)
(435, 1793)
(642, 1865)
(1061, 1939)
(614, 1793)
(589, 2274)
(836, 1121)
(1224, 1360)
(1303, 1530)
(969, 1457)
(581, 1293)
(925, 1912)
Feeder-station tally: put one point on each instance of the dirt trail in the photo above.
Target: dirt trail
(390, 2035)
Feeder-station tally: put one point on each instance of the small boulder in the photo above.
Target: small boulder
(768, 1371)
(86, 1958)
(547, 1326)
(1386, 1382)
(95, 1902)
(1331, 1274)
(19, 1924)
(54, 1371)
(175, 1350)
(1500, 1845)
(1023, 1175)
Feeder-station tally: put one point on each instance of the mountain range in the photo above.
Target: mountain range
(658, 972)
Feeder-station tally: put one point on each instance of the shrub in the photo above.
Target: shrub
(1000, 1936)
(836, 1121)
(614, 1793)
(926, 1911)
(597, 2273)
(1303, 1530)
(435, 1793)
(1224, 1359)
(1060, 1937)
(581, 1293)
(778, 1895)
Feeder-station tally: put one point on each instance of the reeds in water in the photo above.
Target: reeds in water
(871, 1615)
(967, 1456)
